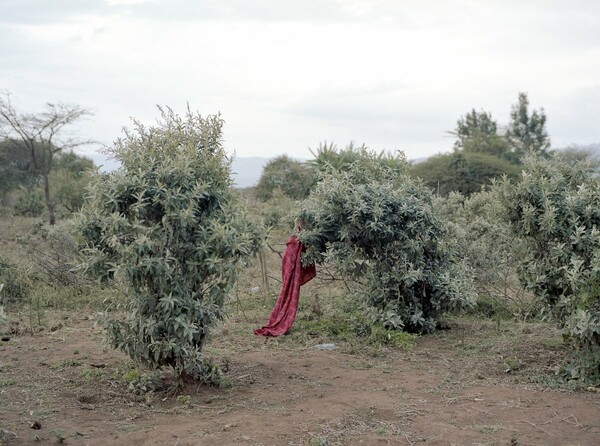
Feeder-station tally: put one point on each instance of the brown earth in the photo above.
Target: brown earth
(477, 384)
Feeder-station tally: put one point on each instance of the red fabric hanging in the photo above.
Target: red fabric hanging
(293, 275)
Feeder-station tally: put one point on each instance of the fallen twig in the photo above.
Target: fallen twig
(566, 420)
(534, 425)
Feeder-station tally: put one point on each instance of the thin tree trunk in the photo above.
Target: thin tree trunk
(265, 277)
(49, 204)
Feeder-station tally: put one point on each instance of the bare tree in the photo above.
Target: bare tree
(42, 135)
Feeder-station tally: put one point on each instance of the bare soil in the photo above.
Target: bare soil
(479, 383)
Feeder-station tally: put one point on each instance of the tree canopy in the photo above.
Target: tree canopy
(464, 172)
(477, 132)
(40, 136)
(293, 178)
(482, 152)
(527, 130)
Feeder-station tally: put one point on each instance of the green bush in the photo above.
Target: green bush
(491, 250)
(463, 172)
(30, 203)
(328, 158)
(168, 224)
(285, 176)
(555, 208)
(378, 227)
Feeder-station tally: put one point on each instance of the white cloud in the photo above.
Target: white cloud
(288, 74)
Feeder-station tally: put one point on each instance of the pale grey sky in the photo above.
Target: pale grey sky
(287, 74)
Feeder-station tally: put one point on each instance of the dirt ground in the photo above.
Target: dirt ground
(477, 384)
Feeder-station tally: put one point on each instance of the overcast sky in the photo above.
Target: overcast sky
(287, 74)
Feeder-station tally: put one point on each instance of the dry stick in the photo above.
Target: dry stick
(275, 279)
(566, 420)
(239, 304)
(274, 250)
(334, 278)
(534, 425)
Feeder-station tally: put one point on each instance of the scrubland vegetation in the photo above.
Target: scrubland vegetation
(502, 235)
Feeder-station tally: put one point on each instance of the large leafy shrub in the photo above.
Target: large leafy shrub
(555, 208)
(491, 249)
(169, 226)
(463, 172)
(328, 157)
(377, 225)
(284, 176)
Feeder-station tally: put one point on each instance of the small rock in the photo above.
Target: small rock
(255, 289)
(35, 425)
(325, 347)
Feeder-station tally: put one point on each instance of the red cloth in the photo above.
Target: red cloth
(294, 275)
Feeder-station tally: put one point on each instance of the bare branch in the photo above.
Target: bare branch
(41, 134)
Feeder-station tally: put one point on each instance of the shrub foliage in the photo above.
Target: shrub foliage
(490, 248)
(169, 226)
(463, 172)
(286, 176)
(555, 208)
(378, 226)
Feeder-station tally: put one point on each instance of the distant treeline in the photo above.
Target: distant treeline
(482, 151)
